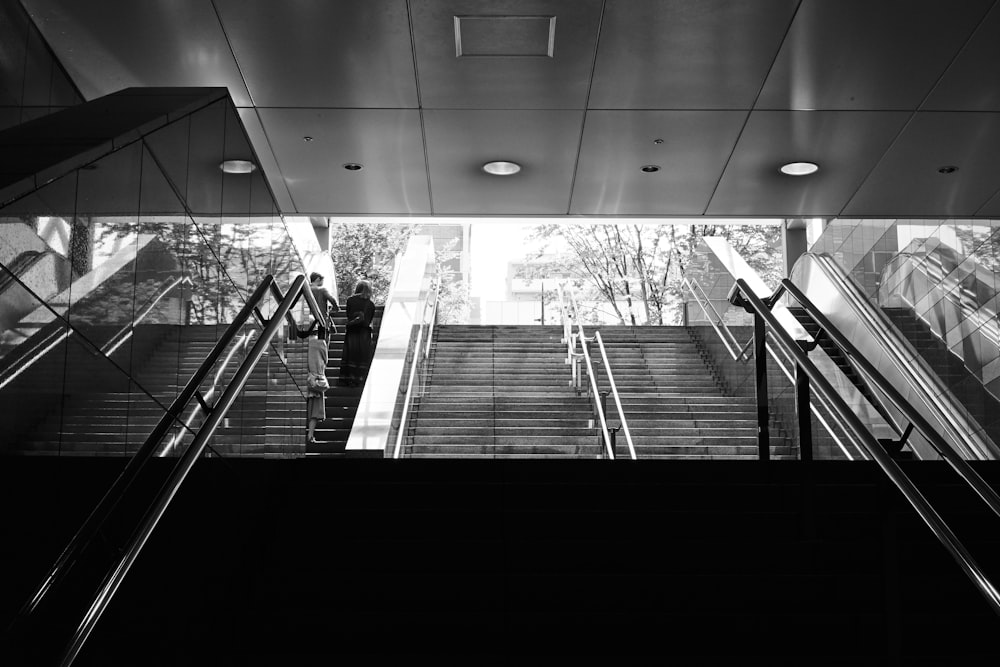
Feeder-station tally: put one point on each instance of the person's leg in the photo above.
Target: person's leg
(311, 430)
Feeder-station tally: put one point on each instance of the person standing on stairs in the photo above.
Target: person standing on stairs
(318, 356)
(357, 355)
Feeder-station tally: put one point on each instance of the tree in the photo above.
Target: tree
(366, 250)
(636, 270)
(454, 304)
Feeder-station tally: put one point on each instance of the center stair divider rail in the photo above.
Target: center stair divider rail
(743, 295)
(421, 350)
(29, 627)
(573, 359)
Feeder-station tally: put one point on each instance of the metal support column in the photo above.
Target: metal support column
(802, 411)
(760, 364)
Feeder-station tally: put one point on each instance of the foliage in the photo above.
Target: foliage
(633, 273)
(454, 303)
(366, 250)
(224, 261)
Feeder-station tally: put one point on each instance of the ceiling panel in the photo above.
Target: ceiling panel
(686, 54)
(964, 86)
(846, 144)
(323, 54)
(265, 157)
(859, 54)
(544, 142)
(123, 43)
(386, 141)
(498, 81)
(616, 144)
(992, 207)
(907, 181)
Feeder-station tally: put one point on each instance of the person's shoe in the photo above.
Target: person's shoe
(310, 441)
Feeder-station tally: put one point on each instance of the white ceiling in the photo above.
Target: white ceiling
(880, 93)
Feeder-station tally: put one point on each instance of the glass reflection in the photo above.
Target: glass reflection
(119, 279)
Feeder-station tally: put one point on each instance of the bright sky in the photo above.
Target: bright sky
(493, 246)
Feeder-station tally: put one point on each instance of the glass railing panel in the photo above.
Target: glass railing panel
(63, 395)
(129, 267)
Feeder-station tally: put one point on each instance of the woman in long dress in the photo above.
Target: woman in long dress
(357, 355)
(318, 356)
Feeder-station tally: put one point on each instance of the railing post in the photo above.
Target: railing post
(802, 411)
(760, 364)
(603, 398)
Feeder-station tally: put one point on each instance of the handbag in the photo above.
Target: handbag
(317, 382)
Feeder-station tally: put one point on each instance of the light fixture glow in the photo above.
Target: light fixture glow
(354, 166)
(237, 166)
(799, 168)
(501, 168)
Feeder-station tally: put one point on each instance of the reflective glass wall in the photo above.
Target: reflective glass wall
(117, 278)
(32, 82)
(942, 274)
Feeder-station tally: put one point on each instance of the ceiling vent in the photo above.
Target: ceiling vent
(505, 36)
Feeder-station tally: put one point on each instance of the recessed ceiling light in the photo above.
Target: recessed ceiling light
(354, 166)
(799, 168)
(237, 166)
(307, 139)
(649, 168)
(501, 168)
(657, 141)
(949, 169)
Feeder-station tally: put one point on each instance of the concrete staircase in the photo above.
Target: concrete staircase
(503, 392)
(674, 400)
(500, 392)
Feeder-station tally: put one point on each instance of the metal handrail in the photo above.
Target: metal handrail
(420, 353)
(614, 392)
(745, 354)
(86, 534)
(208, 396)
(598, 408)
(179, 474)
(929, 386)
(960, 465)
(728, 338)
(126, 332)
(865, 439)
(772, 350)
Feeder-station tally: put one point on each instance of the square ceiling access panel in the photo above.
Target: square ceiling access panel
(686, 54)
(323, 54)
(386, 142)
(859, 54)
(505, 54)
(845, 144)
(689, 148)
(907, 181)
(543, 142)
